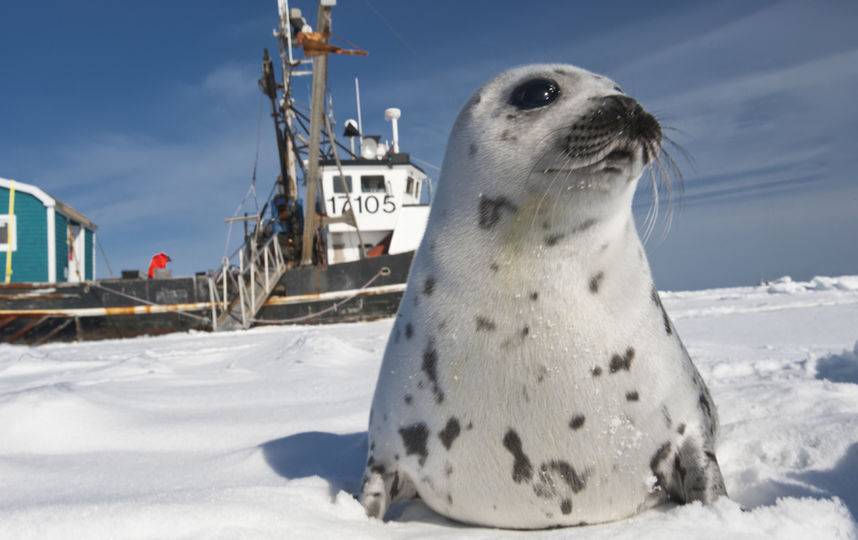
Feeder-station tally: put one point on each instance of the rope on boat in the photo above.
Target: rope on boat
(383, 271)
(144, 301)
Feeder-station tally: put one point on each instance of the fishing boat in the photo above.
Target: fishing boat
(343, 256)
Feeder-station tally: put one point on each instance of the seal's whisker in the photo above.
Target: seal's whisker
(537, 165)
(665, 174)
(562, 184)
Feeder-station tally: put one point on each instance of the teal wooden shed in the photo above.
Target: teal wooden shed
(42, 239)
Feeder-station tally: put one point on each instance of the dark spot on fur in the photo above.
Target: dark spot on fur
(494, 267)
(577, 421)
(552, 239)
(511, 117)
(657, 301)
(378, 469)
(525, 331)
(449, 499)
(710, 455)
(505, 136)
(705, 406)
(668, 421)
(561, 72)
(414, 439)
(394, 487)
(656, 461)
(408, 398)
(604, 246)
(485, 324)
(472, 150)
(492, 209)
(396, 457)
(430, 367)
(522, 470)
(450, 432)
(534, 296)
(568, 474)
(370, 461)
(678, 469)
(622, 362)
(409, 330)
(546, 225)
(566, 507)
(470, 426)
(680, 429)
(618, 89)
(586, 224)
(448, 470)
(595, 281)
(632, 396)
(429, 286)
(597, 371)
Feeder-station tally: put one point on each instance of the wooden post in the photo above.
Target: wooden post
(317, 118)
(11, 232)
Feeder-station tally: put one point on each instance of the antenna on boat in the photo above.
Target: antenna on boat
(392, 115)
(357, 105)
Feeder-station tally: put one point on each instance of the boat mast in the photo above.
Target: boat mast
(284, 39)
(317, 119)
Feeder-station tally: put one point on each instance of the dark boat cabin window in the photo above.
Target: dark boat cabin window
(409, 186)
(338, 241)
(372, 184)
(338, 184)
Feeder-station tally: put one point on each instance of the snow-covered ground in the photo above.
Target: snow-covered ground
(262, 433)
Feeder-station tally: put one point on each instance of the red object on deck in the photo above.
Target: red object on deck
(159, 261)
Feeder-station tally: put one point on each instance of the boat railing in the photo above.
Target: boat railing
(238, 291)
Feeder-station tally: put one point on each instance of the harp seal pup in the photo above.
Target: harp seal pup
(532, 378)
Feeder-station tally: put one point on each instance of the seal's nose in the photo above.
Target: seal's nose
(636, 123)
(629, 106)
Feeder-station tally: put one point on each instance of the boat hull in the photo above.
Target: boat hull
(347, 292)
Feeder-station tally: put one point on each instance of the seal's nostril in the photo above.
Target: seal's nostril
(627, 104)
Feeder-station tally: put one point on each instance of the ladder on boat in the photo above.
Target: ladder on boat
(237, 294)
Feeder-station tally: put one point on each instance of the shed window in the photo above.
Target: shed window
(338, 184)
(8, 233)
(372, 184)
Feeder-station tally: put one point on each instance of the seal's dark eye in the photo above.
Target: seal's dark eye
(535, 93)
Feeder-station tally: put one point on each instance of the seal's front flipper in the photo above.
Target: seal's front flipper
(697, 476)
(381, 488)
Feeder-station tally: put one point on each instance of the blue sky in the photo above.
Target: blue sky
(145, 115)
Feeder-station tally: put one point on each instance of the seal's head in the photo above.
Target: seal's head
(556, 132)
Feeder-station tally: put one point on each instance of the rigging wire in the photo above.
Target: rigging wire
(252, 188)
(426, 163)
(391, 28)
(104, 256)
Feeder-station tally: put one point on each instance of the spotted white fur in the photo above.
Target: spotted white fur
(532, 378)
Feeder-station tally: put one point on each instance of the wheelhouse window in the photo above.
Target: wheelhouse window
(341, 186)
(372, 184)
(8, 236)
(409, 186)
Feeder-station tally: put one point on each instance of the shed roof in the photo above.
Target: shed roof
(49, 201)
